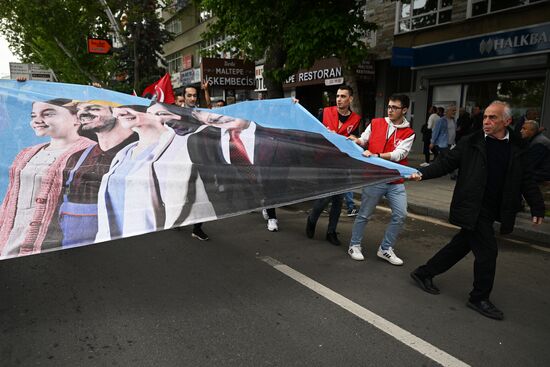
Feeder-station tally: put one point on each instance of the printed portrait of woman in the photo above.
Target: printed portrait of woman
(35, 178)
(151, 184)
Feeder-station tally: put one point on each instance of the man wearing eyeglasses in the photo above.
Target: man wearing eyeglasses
(388, 138)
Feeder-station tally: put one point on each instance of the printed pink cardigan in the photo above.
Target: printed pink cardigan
(46, 199)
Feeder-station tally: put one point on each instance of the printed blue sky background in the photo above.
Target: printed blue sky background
(16, 102)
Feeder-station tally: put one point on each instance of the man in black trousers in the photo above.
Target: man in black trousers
(492, 177)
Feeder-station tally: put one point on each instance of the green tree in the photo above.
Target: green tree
(292, 34)
(54, 33)
(141, 56)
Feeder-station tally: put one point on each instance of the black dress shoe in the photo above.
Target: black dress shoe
(486, 308)
(425, 283)
(310, 228)
(333, 238)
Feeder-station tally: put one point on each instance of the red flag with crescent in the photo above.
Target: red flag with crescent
(161, 90)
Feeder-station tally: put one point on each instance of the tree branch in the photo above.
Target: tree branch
(75, 61)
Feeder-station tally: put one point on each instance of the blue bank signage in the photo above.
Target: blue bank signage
(532, 39)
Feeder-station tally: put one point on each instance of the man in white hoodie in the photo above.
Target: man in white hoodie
(388, 138)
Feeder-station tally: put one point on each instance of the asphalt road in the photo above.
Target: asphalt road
(166, 299)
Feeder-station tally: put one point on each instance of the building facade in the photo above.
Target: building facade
(188, 66)
(439, 52)
(467, 53)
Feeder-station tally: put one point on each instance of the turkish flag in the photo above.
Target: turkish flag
(160, 91)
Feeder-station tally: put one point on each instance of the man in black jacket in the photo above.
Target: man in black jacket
(492, 178)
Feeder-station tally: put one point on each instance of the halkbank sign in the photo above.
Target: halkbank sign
(533, 39)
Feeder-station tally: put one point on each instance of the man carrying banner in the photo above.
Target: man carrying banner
(190, 98)
(340, 120)
(388, 138)
(84, 170)
(493, 175)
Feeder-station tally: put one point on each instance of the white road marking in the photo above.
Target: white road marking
(448, 225)
(379, 322)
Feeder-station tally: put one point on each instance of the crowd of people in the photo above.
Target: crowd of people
(494, 167)
(110, 171)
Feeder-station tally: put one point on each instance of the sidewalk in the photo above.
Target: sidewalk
(432, 198)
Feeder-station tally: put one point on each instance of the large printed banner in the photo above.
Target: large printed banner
(81, 165)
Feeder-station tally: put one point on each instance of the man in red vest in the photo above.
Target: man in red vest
(388, 138)
(340, 120)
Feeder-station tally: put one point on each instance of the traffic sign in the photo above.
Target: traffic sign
(99, 46)
(30, 72)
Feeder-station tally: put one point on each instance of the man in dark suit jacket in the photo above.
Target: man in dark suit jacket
(492, 177)
(283, 166)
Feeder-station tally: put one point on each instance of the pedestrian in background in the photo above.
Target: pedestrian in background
(538, 156)
(477, 119)
(463, 123)
(444, 132)
(427, 134)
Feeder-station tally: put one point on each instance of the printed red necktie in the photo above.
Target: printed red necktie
(239, 157)
(237, 151)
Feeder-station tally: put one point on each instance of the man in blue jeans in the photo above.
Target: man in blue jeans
(388, 138)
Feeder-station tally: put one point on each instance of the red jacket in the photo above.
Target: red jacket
(330, 120)
(380, 142)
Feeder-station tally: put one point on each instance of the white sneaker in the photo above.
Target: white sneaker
(425, 164)
(264, 214)
(355, 253)
(272, 225)
(389, 256)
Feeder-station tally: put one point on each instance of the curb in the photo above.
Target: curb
(523, 230)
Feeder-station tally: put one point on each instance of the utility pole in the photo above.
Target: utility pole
(113, 21)
(135, 40)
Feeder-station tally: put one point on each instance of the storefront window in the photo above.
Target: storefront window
(523, 95)
(481, 7)
(416, 14)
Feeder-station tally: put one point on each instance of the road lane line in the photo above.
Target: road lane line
(379, 322)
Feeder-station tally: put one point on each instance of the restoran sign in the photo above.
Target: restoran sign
(320, 71)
